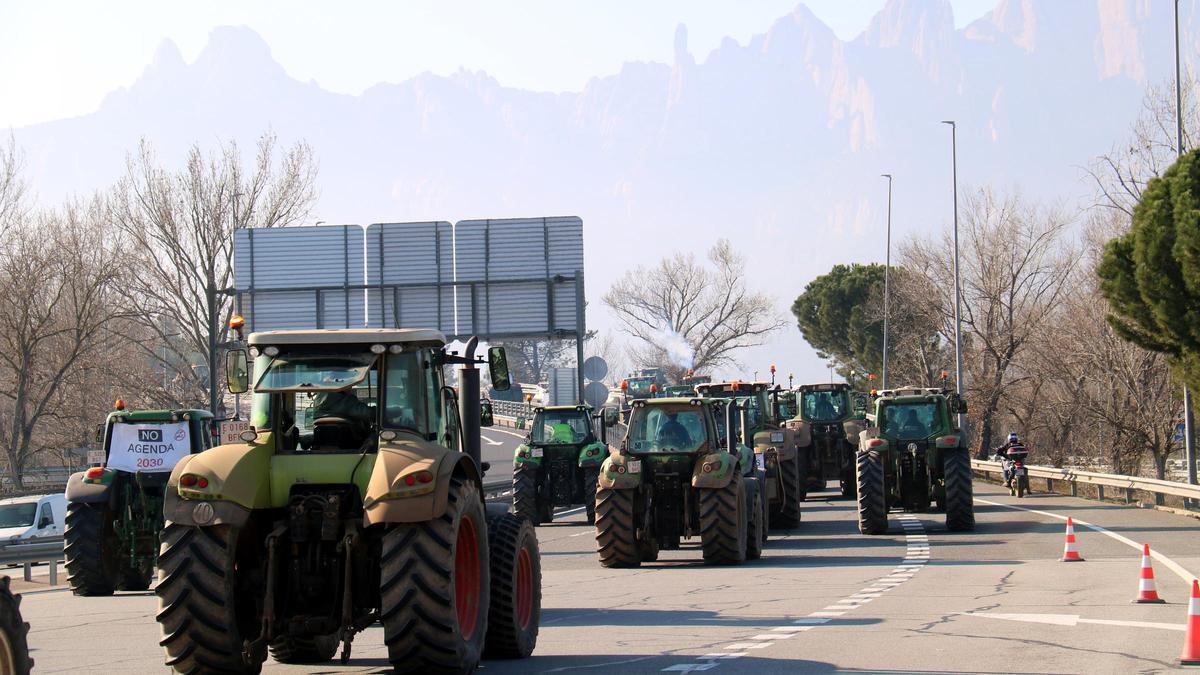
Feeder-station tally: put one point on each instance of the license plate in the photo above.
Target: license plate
(633, 466)
(1020, 472)
(535, 452)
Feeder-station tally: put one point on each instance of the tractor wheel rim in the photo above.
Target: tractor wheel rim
(8, 660)
(466, 578)
(524, 588)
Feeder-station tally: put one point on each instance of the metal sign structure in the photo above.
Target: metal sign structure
(518, 278)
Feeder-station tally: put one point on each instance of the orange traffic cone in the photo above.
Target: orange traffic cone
(1146, 590)
(1069, 552)
(1191, 643)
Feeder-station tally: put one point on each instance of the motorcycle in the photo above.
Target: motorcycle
(1018, 476)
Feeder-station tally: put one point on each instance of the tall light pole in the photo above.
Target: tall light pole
(887, 268)
(1189, 438)
(957, 292)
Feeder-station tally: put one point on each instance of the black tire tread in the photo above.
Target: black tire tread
(591, 478)
(872, 501)
(304, 650)
(15, 628)
(754, 522)
(507, 535)
(723, 523)
(960, 506)
(524, 502)
(787, 514)
(83, 551)
(616, 529)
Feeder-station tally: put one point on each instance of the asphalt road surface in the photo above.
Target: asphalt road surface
(822, 599)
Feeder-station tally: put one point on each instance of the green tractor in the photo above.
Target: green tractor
(827, 426)
(677, 476)
(914, 455)
(337, 511)
(559, 462)
(115, 511)
(774, 444)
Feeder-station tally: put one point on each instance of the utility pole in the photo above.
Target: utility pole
(887, 268)
(237, 398)
(1189, 437)
(957, 287)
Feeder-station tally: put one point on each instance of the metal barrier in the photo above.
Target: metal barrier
(46, 549)
(1129, 484)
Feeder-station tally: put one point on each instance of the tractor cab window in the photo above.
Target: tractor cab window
(318, 402)
(754, 412)
(659, 429)
(561, 426)
(404, 393)
(824, 406)
(912, 421)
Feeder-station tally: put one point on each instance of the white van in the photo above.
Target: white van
(23, 518)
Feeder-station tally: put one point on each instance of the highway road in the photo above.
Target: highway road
(822, 599)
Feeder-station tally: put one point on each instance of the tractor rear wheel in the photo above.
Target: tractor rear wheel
(960, 508)
(755, 524)
(723, 520)
(616, 528)
(848, 484)
(198, 600)
(525, 496)
(434, 587)
(872, 502)
(89, 570)
(591, 476)
(14, 646)
(293, 649)
(516, 570)
(787, 514)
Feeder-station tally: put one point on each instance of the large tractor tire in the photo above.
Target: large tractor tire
(434, 587)
(525, 496)
(591, 477)
(302, 650)
(872, 501)
(89, 570)
(723, 523)
(786, 515)
(516, 606)
(198, 609)
(616, 529)
(848, 484)
(960, 506)
(756, 525)
(14, 631)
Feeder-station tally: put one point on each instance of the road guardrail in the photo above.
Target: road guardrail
(26, 553)
(1075, 477)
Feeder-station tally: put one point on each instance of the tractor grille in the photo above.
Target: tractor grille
(560, 471)
(668, 509)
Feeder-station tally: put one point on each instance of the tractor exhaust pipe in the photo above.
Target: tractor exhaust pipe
(468, 402)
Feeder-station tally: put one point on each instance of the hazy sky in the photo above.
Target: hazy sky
(60, 58)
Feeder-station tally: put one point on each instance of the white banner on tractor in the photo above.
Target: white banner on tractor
(149, 448)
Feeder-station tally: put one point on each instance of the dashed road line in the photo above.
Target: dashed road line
(916, 556)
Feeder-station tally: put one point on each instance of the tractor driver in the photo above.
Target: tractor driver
(825, 409)
(343, 403)
(672, 434)
(912, 427)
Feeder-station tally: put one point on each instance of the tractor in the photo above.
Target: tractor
(115, 511)
(676, 476)
(559, 462)
(913, 456)
(826, 426)
(339, 510)
(774, 443)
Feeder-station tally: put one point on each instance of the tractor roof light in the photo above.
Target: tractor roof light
(119, 404)
(237, 322)
(378, 349)
(271, 351)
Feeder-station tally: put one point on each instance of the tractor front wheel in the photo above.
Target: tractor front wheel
(755, 523)
(90, 569)
(591, 477)
(792, 493)
(872, 501)
(616, 529)
(434, 587)
(723, 523)
(525, 494)
(960, 507)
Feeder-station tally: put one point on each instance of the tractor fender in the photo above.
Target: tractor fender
(853, 427)
(238, 473)
(621, 472)
(747, 459)
(79, 492)
(801, 433)
(390, 499)
(184, 511)
(722, 469)
(524, 456)
(592, 454)
(869, 440)
(786, 448)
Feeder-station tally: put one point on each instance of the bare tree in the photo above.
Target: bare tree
(689, 315)
(179, 225)
(1014, 266)
(60, 274)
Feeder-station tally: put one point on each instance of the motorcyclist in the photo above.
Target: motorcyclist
(1013, 449)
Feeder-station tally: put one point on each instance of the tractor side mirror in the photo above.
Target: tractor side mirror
(609, 417)
(960, 406)
(498, 369)
(99, 433)
(237, 372)
(485, 414)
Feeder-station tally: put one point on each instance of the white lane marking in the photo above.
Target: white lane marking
(568, 512)
(1074, 620)
(791, 629)
(488, 440)
(503, 431)
(824, 613)
(1175, 567)
(689, 667)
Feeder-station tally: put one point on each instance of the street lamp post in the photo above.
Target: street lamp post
(887, 267)
(957, 292)
(1189, 437)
